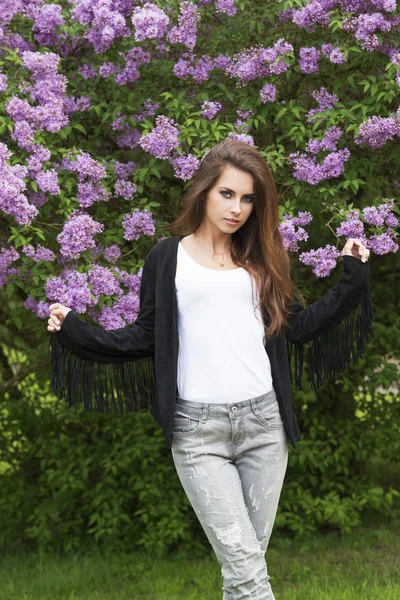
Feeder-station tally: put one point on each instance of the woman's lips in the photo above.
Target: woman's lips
(231, 222)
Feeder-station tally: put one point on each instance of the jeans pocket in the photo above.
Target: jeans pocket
(268, 413)
(185, 425)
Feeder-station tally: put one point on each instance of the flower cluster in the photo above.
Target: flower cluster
(107, 23)
(328, 142)
(323, 260)
(89, 173)
(148, 110)
(226, 6)
(38, 254)
(189, 66)
(185, 32)
(77, 234)
(253, 63)
(380, 217)
(376, 131)
(306, 168)
(163, 139)
(7, 257)
(210, 109)
(292, 230)
(150, 22)
(185, 166)
(241, 123)
(12, 185)
(70, 289)
(46, 20)
(112, 253)
(268, 93)
(138, 223)
(325, 101)
(241, 137)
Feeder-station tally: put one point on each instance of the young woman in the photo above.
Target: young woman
(210, 352)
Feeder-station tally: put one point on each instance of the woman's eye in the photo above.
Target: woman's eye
(246, 198)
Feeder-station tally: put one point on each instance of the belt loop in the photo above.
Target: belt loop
(205, 413)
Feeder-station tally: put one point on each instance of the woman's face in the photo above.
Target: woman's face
(232, 197)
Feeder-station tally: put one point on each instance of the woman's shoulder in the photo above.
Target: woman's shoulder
(164, 247)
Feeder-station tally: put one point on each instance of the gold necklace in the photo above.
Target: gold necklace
(221, 264)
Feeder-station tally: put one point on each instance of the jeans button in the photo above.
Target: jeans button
(234, 409)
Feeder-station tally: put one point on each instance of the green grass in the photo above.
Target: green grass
(363, 565)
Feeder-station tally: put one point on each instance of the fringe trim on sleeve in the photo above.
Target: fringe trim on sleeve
(330, 354)
(101, 387)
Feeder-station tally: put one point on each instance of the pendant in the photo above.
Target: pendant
(221, 264)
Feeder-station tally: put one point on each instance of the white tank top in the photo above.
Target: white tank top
(221, 356)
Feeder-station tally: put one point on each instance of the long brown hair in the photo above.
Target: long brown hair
(257, 246)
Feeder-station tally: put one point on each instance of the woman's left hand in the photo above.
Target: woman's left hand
(355, 248)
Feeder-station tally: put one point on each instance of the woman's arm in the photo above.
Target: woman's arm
(332, 332)
(107, 371)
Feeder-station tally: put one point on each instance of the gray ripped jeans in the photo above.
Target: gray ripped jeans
(231, 460)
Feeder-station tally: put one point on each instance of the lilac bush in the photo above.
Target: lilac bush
(109, 106)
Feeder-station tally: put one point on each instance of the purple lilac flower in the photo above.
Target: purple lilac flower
(290, 235)
(87, 72)
(125, 189)
(376, 131)
(38, 254)
(314, 13)
(48, 17)
(137, 224)
(108, 318)
(90, 192)
(106, 23)
(7, 257)
(383, 243)
(328, 142)
(210, 109)
(163, 139)
(70, 289)
(112, 253)
(226, 6)
(381, 215)
(323, 260)
(325, 102)
(124, 170)
(48, 181)
(308, 62)
(12, 186)
(185, 32)
(85, 166)
(129, 139)
(104, 282)
(37, 198)
(130, 280)
(252, 63)
(148, 111)
(77, 234)
(185, 166)
(150, 22)
(134, 58)
(352, 227)
(188, 66)
(268, 93)
(307, 168)
(241, 137)
(3, 82)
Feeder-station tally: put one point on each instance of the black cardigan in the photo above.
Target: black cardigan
(135, 367)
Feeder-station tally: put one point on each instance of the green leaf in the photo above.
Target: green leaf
(80, 128)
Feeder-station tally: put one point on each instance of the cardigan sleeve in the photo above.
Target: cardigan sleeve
(332, 332)
(107, 371)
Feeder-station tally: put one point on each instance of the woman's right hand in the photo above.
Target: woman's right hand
(58, 312)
